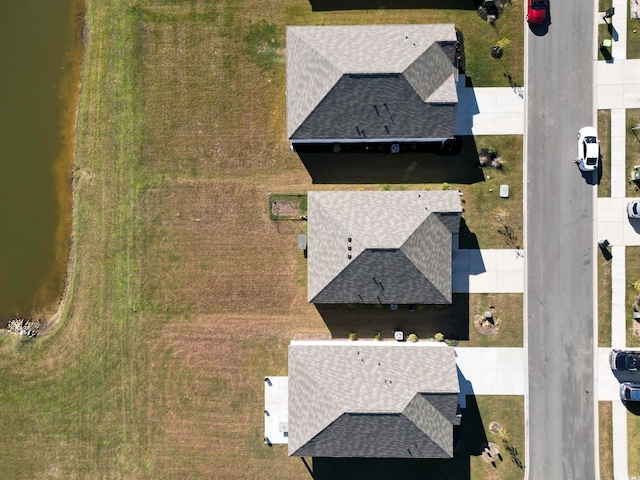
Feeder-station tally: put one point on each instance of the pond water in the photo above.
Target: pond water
(40, 54)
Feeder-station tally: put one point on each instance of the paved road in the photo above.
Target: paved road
(559, 249)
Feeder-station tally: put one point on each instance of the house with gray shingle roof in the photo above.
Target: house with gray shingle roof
(372, 399)
(381, 246)
(371, 83)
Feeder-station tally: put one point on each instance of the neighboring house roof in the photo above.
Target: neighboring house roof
(397, 400)
(371, 82)
(381, 246)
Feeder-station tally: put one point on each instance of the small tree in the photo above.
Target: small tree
(498, 49)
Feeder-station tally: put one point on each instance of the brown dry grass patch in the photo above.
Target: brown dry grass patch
(212, 248)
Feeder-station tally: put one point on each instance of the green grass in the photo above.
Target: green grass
(633, 430)
(632, 146)
(508, 411)
(508, 308)
(482, 202)
(182, 293)
(604, 301)
(633, 38)
(604, 133)
(604, 5)
(605, 440)
(603, 32)
(632, 263)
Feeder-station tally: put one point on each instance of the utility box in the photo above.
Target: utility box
(302, 241)
(635, 173)
(504, 191)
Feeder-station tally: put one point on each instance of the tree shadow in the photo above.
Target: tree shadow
(326, 5)
(469, 440)
(606, 54)
(612, 31)
(454, 161)
(423, 320)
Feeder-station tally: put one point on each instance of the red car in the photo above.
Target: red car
(537, 11)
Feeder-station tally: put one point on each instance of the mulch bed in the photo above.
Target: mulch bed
(285, 208)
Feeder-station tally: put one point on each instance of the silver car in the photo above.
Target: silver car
(624, 360)
(633, 209)
(629, 392)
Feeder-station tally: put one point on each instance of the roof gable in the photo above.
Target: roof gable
(341, 395)
(381, 247)
(319, 58)
(366, 107)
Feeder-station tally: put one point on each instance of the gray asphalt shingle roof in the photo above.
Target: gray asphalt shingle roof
(371, 82)
(381, 247)
(397, 400)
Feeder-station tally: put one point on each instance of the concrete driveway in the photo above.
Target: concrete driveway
(488, 271)
(489, 111)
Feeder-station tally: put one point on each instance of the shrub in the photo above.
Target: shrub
(439, 337)
(353, 337)
(412, 337)
(445, 186)
(377, 336)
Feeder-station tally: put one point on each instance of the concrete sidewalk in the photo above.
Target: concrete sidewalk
(617, 88)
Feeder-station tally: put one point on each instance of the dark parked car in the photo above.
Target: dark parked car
(537, 11)
(629, 392)
(624, 360)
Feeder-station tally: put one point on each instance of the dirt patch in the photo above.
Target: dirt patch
(285, 208)
(486, 327)
(636, 329)
(495, 427)
(491, 453)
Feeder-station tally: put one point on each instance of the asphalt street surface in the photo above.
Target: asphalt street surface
(560, 247)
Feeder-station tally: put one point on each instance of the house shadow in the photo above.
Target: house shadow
(326, 5)
(454, 161)
(425, 321)
(467, 106)
(469, 440)
(466, 238)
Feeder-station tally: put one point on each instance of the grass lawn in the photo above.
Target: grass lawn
(603, 32)
(632, 263)
(632, 146)
(604, 134)
(633, 430)
(486, 215)
(183, 293)
(508, 308)
(633, 38)
(604, 301)
(606, 439)
(508, 411)
(604, 5)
